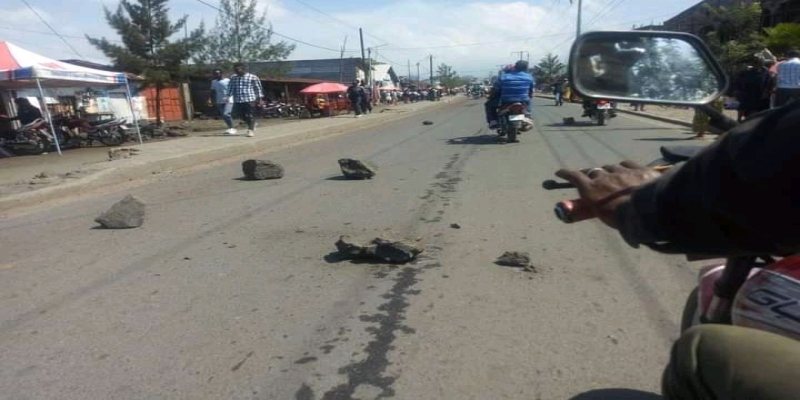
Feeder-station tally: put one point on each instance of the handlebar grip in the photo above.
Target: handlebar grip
(571, 211)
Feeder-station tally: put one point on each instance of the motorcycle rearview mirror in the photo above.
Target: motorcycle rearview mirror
(668, 68)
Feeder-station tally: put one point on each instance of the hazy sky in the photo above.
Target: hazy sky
(472, 36)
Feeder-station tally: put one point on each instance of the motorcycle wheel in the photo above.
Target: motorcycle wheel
(111, 139)
(511, 135)
(689, 310)
(601, 118)
(42, 145)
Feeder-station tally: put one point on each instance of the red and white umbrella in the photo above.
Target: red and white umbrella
(324, 88)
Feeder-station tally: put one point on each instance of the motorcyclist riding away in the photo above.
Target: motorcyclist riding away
(515, 86)
(725, 201)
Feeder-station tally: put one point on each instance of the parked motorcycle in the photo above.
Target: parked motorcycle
(110, 132)
(759, 292)
(29, 139)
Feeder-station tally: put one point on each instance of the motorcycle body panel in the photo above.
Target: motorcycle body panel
(769, 300)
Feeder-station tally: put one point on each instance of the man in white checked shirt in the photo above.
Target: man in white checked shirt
(788, 79)
(246, 90)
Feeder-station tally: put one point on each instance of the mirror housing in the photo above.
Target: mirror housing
(654, 67)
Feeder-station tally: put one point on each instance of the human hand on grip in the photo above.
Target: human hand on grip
(604, 189)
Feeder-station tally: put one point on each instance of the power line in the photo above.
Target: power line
(338, 20)
(33, 10)
(284, 36)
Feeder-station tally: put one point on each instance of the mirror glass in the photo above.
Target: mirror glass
(632, 66)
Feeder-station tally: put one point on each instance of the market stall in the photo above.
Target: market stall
(23, 69)
(318, 98)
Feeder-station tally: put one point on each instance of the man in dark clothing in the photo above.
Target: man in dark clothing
(354, 94)
(26, 112)
(366, 99)
(752, 86)
(725, 201)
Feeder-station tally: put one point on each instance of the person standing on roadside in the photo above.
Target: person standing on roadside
(366, 99)
(246, 90)
(354, 93)
(788, 79)
(221, 101)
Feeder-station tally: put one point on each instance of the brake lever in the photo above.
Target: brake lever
(552, 185)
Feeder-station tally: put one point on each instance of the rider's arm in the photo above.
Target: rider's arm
(739, 196)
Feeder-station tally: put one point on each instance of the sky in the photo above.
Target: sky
(474, 37)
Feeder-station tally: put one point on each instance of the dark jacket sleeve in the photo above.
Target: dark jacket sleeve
(739, 196)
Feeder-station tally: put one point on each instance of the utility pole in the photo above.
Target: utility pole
(418, 75)
(580, 12)
(409, 72)
(361, 37)
(431, 62)
(369, 66)
(341, 59)
(521, 53)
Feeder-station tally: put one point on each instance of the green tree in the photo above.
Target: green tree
(447, 76)
(735, 35)
(147, 48)
(548, 69)
(242, 35)
(782, 37)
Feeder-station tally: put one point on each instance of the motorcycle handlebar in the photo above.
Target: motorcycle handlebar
(576, 210)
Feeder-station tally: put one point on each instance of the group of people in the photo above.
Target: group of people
(360, 97)
(766, 84)
(238, 95)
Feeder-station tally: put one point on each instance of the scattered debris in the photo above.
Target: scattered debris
(455, 226)
(516, 259)
(122, 152)
(256, 170)
(355, 169)
(394, 252)
(569, 121)
(427, 122)
(127, 213)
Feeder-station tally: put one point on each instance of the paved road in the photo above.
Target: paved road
(229, 289)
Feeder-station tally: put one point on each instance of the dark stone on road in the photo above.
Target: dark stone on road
(515, 259)
(355, 169)
(427, 122)
(257, 170)
(394, 252)
(455, 226)
(127, 213)
(569, 121)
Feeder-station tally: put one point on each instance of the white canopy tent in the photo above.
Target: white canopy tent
(23, 69)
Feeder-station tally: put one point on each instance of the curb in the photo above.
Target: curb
(638, 114)
(146, 169)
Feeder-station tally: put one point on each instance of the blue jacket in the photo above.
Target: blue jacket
(515, 86)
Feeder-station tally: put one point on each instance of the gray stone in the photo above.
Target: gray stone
(514, 259)
(256, 170)
(427, 122)
(569, 121)
(127, 213)
(355, 169)
(381, 250)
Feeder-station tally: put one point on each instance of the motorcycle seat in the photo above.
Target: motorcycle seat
(679, 153)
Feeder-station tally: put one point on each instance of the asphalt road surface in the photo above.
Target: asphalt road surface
(231, 291)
